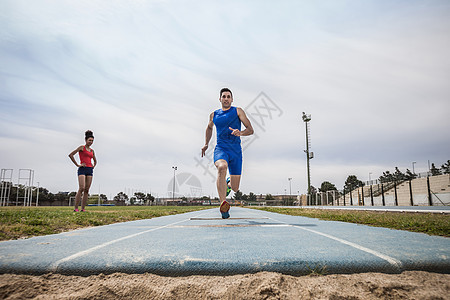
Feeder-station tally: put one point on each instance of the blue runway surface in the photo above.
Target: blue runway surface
(201, 243)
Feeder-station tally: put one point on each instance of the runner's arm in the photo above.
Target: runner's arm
(208, 134)
(73, 153)
(248, 126)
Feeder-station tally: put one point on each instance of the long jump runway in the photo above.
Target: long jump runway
(201, 243)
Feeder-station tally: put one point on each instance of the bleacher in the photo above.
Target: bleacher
(439, 192)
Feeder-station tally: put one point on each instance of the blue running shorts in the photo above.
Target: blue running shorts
(233, 156)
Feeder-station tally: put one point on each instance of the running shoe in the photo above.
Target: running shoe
(224, 208)
(76, 210)
(83, 210)
(228, 186)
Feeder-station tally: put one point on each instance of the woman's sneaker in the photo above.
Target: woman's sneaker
(76, 210)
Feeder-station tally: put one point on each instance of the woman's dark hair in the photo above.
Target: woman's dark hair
(225, 90)
(88, 134)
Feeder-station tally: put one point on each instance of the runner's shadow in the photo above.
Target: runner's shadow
(263, 223)
(281, 224)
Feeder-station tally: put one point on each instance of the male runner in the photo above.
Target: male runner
(228, 151)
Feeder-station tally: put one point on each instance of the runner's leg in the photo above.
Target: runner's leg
(222, 167)
(235, 166)
(235, 181)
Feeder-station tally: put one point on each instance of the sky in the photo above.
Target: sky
(144, 76)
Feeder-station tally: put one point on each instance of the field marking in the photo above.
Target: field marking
(394, 262)
(231, 225)
(197, 219)
(53, 267)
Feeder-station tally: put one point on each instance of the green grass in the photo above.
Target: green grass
(24, 222)
(433, 224)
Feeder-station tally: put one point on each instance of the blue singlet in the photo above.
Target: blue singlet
(228, 146)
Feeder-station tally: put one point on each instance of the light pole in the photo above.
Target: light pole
(290, 188)
(173, 191)
(37, 194)
(306, 119)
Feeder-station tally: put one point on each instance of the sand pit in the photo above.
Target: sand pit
(264, 285)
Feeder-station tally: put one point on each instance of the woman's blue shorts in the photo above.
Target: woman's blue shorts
(87, 171)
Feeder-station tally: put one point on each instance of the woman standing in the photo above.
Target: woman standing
(85, 169)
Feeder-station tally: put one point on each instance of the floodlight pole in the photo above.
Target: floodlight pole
(306, 119)
(173, 191)
(37, 194)
(290, 187)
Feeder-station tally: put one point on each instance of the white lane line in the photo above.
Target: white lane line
(53, 267)
(199, 219)
(394, 262)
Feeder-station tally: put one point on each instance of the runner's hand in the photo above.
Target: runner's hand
(235, 132)
(204, 150)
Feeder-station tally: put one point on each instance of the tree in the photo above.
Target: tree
(141, 197)
(237, 195)
(387, 177)
(327, 186)
(203, 198)
(352, 183)
(446, 167)
(269, 197)
(122, 197)
(409, 175)
(244, 197)
(398, 175)
(251, 197)
(44, 195)
(435, 171)
(62, 196)
(150, 198)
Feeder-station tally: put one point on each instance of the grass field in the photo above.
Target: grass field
(433, 224)
(22, 222)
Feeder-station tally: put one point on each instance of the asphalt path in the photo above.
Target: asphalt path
(201, 243)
